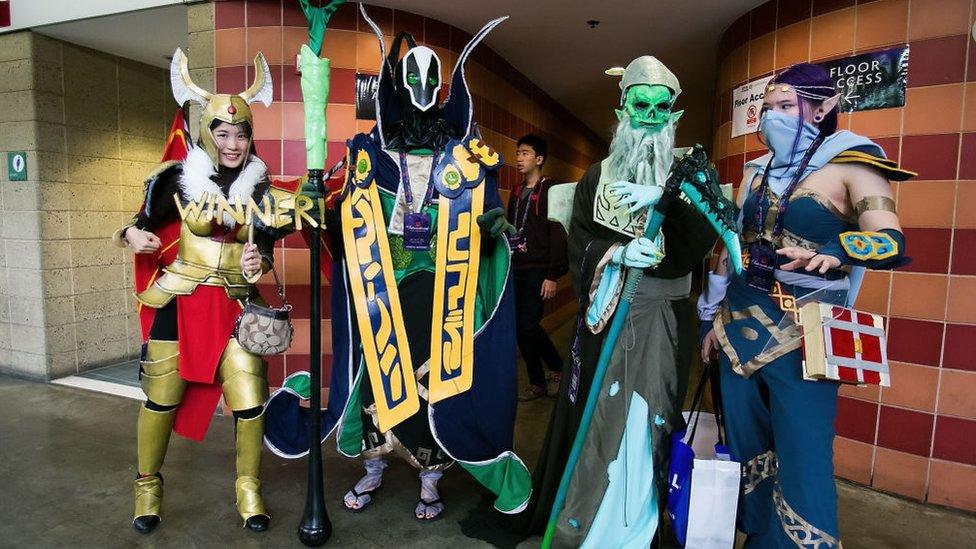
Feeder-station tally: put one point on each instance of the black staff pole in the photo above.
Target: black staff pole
(315, 528)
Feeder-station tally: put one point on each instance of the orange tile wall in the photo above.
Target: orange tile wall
(918, 437)
(507, 105)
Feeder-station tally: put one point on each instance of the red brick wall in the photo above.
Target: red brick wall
(917, 438)
(507, 105)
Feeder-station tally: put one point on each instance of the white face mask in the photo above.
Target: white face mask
(779, 132)
(421, 73)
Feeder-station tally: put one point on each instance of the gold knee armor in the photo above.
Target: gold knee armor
(248, 487)
(243, 377)
(160, 375)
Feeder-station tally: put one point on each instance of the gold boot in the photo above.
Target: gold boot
(152, 438)
(250, 433)
(149, 496)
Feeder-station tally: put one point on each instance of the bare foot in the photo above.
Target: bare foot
(429, 510)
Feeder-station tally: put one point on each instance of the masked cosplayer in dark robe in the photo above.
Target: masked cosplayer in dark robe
(612, 501)
(190, 359)
(422, 306)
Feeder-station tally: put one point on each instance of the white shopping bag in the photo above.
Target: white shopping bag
(714, 499)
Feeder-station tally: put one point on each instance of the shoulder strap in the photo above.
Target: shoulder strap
(274, 272)
(717, 400)
(710, 375)
(696, 402)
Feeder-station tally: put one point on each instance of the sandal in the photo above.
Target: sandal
(371, 494)
(426, 505)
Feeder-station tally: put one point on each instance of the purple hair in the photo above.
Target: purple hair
(813, 79)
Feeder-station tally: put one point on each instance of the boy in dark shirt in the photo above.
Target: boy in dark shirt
(539, 259)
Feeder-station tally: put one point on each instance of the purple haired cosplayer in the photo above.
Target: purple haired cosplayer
(805, 207)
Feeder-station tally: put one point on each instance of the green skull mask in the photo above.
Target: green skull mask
(648, 106)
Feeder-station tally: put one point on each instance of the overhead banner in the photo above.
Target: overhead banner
(747, 102)
(869, 81)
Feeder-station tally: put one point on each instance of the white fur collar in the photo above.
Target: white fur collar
(195, 180)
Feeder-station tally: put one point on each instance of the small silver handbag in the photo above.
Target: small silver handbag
(265, 330)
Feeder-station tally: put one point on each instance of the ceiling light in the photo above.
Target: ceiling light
(614, 71)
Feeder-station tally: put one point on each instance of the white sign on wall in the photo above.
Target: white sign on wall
(746, 105)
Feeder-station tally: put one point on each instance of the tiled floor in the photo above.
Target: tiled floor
(118, 379)
(126, 373)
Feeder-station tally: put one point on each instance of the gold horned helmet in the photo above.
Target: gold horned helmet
(232, 109)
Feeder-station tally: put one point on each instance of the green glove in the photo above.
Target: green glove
(314, 194)
(494, 222)
(310, 191)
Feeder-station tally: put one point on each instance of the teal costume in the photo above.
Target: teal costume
(780, 427)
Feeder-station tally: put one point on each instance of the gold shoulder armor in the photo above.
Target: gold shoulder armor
(160, 168)
(888, 168)
(483, 153)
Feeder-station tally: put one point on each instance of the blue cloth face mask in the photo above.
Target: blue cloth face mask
(779, 132)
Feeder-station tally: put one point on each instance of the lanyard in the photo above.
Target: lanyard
(405, 181)
(762, 208)
(520, 220)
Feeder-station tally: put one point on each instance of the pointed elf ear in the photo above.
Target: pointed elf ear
(619, 113)
(676, 115)
(829, 104)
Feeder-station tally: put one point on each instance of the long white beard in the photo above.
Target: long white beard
(639, 157)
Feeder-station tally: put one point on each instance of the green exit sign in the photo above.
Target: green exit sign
(17, 165)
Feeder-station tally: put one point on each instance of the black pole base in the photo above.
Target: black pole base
(315, 528)
(312, 536)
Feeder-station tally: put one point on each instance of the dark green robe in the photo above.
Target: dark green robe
(664, 335)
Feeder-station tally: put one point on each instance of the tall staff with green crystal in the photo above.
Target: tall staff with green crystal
(315, 528)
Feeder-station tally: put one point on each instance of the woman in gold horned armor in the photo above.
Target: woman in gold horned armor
(190, 358)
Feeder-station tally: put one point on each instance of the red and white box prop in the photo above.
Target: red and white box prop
(843, 345)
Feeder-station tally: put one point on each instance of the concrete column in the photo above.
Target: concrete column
(23, 337)
(200, 46)
(93, 126)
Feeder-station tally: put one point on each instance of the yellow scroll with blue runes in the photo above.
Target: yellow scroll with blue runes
(457, 178)
(373, 286)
